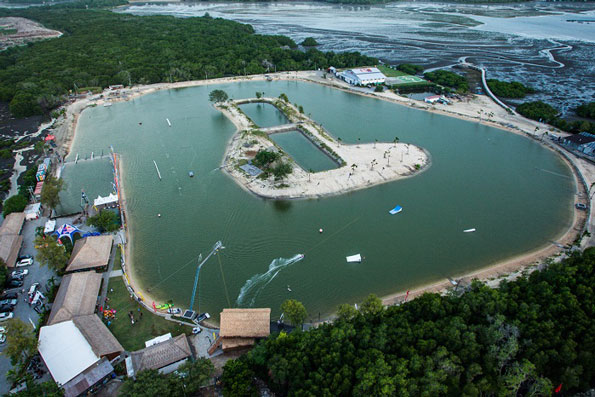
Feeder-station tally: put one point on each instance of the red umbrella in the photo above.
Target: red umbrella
(50, 138)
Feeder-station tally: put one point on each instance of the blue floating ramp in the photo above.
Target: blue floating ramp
(396, 210)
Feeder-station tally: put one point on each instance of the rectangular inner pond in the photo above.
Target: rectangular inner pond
(264, 114)
(304, 152)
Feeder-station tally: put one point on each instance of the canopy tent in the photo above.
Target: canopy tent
(110, 199)
(50, 138)
(67, 230)
(49, 227)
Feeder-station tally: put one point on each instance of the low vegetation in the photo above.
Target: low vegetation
(16, 203)
(410, 68)
(527, 338)
(541, 111)
(309, 42)
(449, 79)
(512, 89)
(586, 110)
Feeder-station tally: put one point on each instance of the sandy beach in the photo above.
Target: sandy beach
(475, 108)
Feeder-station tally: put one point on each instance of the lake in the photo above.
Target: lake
(516, 193)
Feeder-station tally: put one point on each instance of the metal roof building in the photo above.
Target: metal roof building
(363, 76)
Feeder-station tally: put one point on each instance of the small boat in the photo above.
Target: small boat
(191, 174)
(300, 257)
(396, 210)
(354, 258)
(107, 104)
(288, 289)
(168, 122)
(469, 230)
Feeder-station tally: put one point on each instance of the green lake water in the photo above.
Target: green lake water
(517, 194)
(304, 152)
(264, 114)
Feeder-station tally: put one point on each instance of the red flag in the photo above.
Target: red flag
(558, 389)
(154, 308)
(407, 296)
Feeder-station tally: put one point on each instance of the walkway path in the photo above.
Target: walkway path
(106, 275)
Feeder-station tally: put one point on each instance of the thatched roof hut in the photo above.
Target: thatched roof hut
(165, 356)
(245, 323)
(10, 245)
(103, 343)
(241, 327)
(13, 223)
(77, 296)
(90, 252)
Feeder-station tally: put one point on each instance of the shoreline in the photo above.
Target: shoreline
(510, 123)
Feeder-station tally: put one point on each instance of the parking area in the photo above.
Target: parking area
(37, 274)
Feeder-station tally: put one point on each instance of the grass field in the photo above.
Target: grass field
(388, 72)
(133, 337)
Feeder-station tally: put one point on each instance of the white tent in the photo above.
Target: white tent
(111, 199)
(50, 226)
(32, 211)
(65, 351)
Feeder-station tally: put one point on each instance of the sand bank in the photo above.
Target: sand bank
(474, 108)
(359, 166)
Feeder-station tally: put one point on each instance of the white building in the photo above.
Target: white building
(363, 76)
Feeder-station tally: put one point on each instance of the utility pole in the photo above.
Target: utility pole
(218, 245)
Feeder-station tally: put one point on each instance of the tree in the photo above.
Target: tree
(50, 194)
(151, 383)
(3, 272)
(50, 253)
(237, 379)
(309, 42)
(34, 389)
(218, 96)
(372, 305)
(105, 221)
(346, 312)
(16, 203)
(396, 140)
(196, 374)
(295, 311)
(21, 342)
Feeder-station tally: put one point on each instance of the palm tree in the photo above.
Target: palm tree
(396, 140)
(353, 167)
(375, 141)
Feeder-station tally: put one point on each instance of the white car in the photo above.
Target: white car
(2, 330)
(24, 262)
(32, 290)
(6, 316)
(196, 330)
(22, 272)
(2, 338)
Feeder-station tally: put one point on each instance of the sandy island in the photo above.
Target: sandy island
(359, 166)
(475, 108)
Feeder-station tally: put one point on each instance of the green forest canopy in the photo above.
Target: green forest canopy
(527, 337)
(101, 47)
(512, 89)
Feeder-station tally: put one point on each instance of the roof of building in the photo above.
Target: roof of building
(580, 139)
(32, 208)
(90, 252)
(99, 337)
(368, 73)
(10, 244)
(89, 377)
(245, 323)
(161, 354)
(13, 223)
(235, 343)
(65, 351)
(77, 296)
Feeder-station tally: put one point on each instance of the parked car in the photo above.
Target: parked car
(2, 338)
(2, 330)
(14, 284)
(12, 302)
(581, 206)
(6, 316)
(22, 272)
(32, 290)
(6, 308)
(196, 330)
(18, 277)
(20, 258)
(203, 317)
(9, 295)
(25, 262)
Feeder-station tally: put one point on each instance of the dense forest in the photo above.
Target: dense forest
(505, 89)
(449, 79)
(544, 112)
(586, 110)
(100, 48)
(531, 337)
